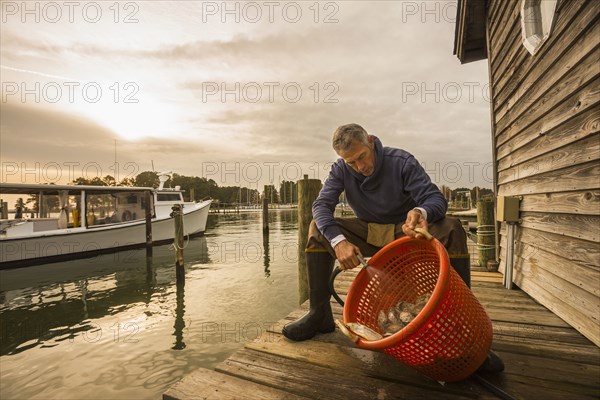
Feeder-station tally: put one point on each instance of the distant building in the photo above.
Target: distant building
(544, 90)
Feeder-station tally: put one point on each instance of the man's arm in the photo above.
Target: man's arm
(323, 210)
(425, 194)
(324, 206)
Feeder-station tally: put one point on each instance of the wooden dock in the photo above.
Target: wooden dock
(545, 358)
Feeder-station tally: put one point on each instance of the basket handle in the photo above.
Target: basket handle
(424, 232)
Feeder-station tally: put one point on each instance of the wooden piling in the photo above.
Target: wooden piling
(148, 212)
(4, 210)
(308, 191)
(178, 241)
(486, 247)
(41, 209)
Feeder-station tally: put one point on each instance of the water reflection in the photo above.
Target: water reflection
(179, 313)
(118, 326)
(150, 273)
(84, 293)
(266, 256)
(35, 312)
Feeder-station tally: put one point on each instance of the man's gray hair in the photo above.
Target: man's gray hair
(346, 135)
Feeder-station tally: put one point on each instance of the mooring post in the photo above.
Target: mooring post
(265, 214)
(148, 210)
(308, 191)
(40, 207)
(4, 210)
(178, 222)
(486, 247)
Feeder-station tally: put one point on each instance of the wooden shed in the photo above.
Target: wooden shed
(543, 60)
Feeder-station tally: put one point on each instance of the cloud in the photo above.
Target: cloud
(393, 74)
(28, 127)
(33, 140)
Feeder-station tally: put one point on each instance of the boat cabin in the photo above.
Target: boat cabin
(56, 207)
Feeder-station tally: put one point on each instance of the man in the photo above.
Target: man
(391, 195)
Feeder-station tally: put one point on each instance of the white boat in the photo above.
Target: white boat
(105, 219)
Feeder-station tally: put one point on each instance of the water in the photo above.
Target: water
(115, 327)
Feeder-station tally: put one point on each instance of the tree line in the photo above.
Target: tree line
(197, 188)
(287, 193)
(202, 188)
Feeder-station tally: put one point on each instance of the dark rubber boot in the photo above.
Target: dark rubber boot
(462, 265)
(320, 318)
(492, 364)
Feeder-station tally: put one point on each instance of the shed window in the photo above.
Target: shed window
(537, 17)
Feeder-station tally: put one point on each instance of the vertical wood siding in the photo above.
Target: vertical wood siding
(546, 118)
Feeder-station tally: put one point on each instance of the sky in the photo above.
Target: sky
(244, 93)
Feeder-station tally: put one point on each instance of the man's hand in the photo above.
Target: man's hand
(346, 253)
(414, 219)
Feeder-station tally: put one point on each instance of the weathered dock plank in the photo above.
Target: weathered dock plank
(317, 382)
(544, 357)
(548, 349)
(207, 384)
(347, 357)
(480, 276)
(334, 351)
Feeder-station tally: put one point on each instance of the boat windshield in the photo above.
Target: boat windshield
(168, 197)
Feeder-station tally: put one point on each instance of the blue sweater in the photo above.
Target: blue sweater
(397, 185)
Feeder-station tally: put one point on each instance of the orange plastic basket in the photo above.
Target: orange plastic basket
(451, 336)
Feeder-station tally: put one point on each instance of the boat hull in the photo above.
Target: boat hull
(65, 244)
